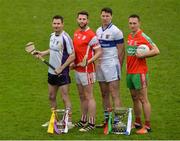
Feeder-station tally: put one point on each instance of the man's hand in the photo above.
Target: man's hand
(140, 55)
(81, 64)
(37, 54)
(98, 64)
(58, 70)
(72, 66)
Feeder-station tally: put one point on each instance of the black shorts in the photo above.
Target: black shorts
(58, 80)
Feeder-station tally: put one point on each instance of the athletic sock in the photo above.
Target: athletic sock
(84, 118)
(138, 120)
(91, 121)
(147, 124)
(106, 115)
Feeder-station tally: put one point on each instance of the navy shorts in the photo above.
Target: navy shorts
(58, 80)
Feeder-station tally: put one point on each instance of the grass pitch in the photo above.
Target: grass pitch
(24, 102)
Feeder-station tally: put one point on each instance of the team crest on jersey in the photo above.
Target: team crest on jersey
(84, 37)
(57, 42)
(132, 42)
(107, 36)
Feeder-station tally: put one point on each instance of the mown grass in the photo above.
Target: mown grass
(24, 102)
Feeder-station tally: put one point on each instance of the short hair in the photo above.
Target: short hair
(58, 17)
(134, 16)
(83, 13)
(107, 10)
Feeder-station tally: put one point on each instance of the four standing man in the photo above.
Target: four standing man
(107, 47)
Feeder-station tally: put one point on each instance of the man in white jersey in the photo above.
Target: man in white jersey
(61, 55)
(108, 68)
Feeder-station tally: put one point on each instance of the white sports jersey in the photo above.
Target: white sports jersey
(61, 47)
(109, 38)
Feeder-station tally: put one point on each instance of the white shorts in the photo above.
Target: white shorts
(108, 70)
(85, 78)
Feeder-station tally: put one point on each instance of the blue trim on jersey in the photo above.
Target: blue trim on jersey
(69, 40)
(109, 26)
(64, 57)
(103, 29)
(109, 44)
(120, 41)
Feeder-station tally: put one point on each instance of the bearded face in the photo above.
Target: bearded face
(82, 21)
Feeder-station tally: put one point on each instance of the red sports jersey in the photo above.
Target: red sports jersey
(81, 41)
(134, 64)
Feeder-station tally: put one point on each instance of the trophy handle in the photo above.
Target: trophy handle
(128, 131)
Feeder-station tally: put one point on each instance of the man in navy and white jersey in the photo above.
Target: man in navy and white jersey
(108, 67)
(61, 55)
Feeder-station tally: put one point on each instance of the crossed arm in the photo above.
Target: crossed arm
(59, 69)
(69, 60)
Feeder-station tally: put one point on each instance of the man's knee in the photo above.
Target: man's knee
(82, 96)
(115, 95)
(52, 97)
(135, 98)
(143, 99)
(64, 94)
(89, 97)
(114, 90)
(105, 94)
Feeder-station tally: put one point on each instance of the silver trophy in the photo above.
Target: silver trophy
(122, 121)
(62, 119)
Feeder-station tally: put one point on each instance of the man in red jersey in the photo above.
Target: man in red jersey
(137, 73)
(87, 50)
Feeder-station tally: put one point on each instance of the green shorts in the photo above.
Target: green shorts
(137, 81)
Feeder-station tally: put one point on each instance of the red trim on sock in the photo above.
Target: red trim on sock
(147, 123)
(84, 118)
(91, 120)
(138, 120)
